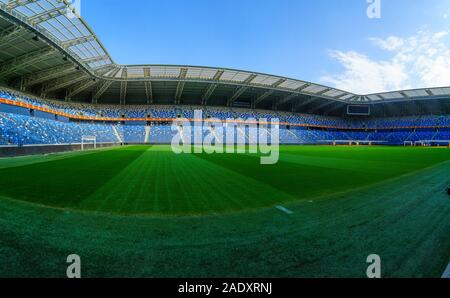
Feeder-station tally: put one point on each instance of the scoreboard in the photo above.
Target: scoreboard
(358, 110)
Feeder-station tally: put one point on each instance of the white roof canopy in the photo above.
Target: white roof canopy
(60, 23)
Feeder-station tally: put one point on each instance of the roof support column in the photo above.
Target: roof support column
(209, 92)
(123, 87)
(180, 86)
(324, 105)
(240, 90)
(301, 104)
(148, 86)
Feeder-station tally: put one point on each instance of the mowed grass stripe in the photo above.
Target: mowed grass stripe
(404, 220)
(298, 180)
(179, 184)
(154, 180)
(365, 166)
(303, 178)
(419, 156)
(19, 161)
(65, 182)
(329, 239)
(240, 192)
(140, 185)
(129, 183)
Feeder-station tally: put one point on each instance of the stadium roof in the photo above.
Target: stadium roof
(48, 49)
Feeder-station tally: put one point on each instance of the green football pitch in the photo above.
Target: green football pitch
(145, 211)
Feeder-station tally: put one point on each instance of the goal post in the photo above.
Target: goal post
(88, 140)
(408, 143)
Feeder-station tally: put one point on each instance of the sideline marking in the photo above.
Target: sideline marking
(447, 272)
(284, 209)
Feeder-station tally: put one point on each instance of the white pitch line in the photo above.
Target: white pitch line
(447, 272)
(284, 209)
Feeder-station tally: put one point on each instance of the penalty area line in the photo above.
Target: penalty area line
(447, 272)
(284, 209)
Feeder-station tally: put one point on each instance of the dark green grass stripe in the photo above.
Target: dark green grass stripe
(298, 180)
(128, 182)
(324, 173)
(230, 188)
(418, 156)
(19, 161)
(161, 182)
(363, 166)
(65, 182)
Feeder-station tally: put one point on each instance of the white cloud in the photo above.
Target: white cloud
(419, 61)
(440, 35)
(392, 43)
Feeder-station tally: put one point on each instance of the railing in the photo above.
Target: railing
(111, 119)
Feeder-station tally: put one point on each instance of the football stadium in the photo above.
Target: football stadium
(88, 166)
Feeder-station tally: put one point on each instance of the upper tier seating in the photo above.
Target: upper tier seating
(18, 129)
(172, 112)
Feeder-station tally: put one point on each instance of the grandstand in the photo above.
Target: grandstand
(51, 88)
(64, 92)
(61, 123)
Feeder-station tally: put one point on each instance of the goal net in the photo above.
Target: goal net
(433, 143)
(88, 142)
(353, 142)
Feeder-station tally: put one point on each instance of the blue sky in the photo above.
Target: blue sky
(326, 41)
